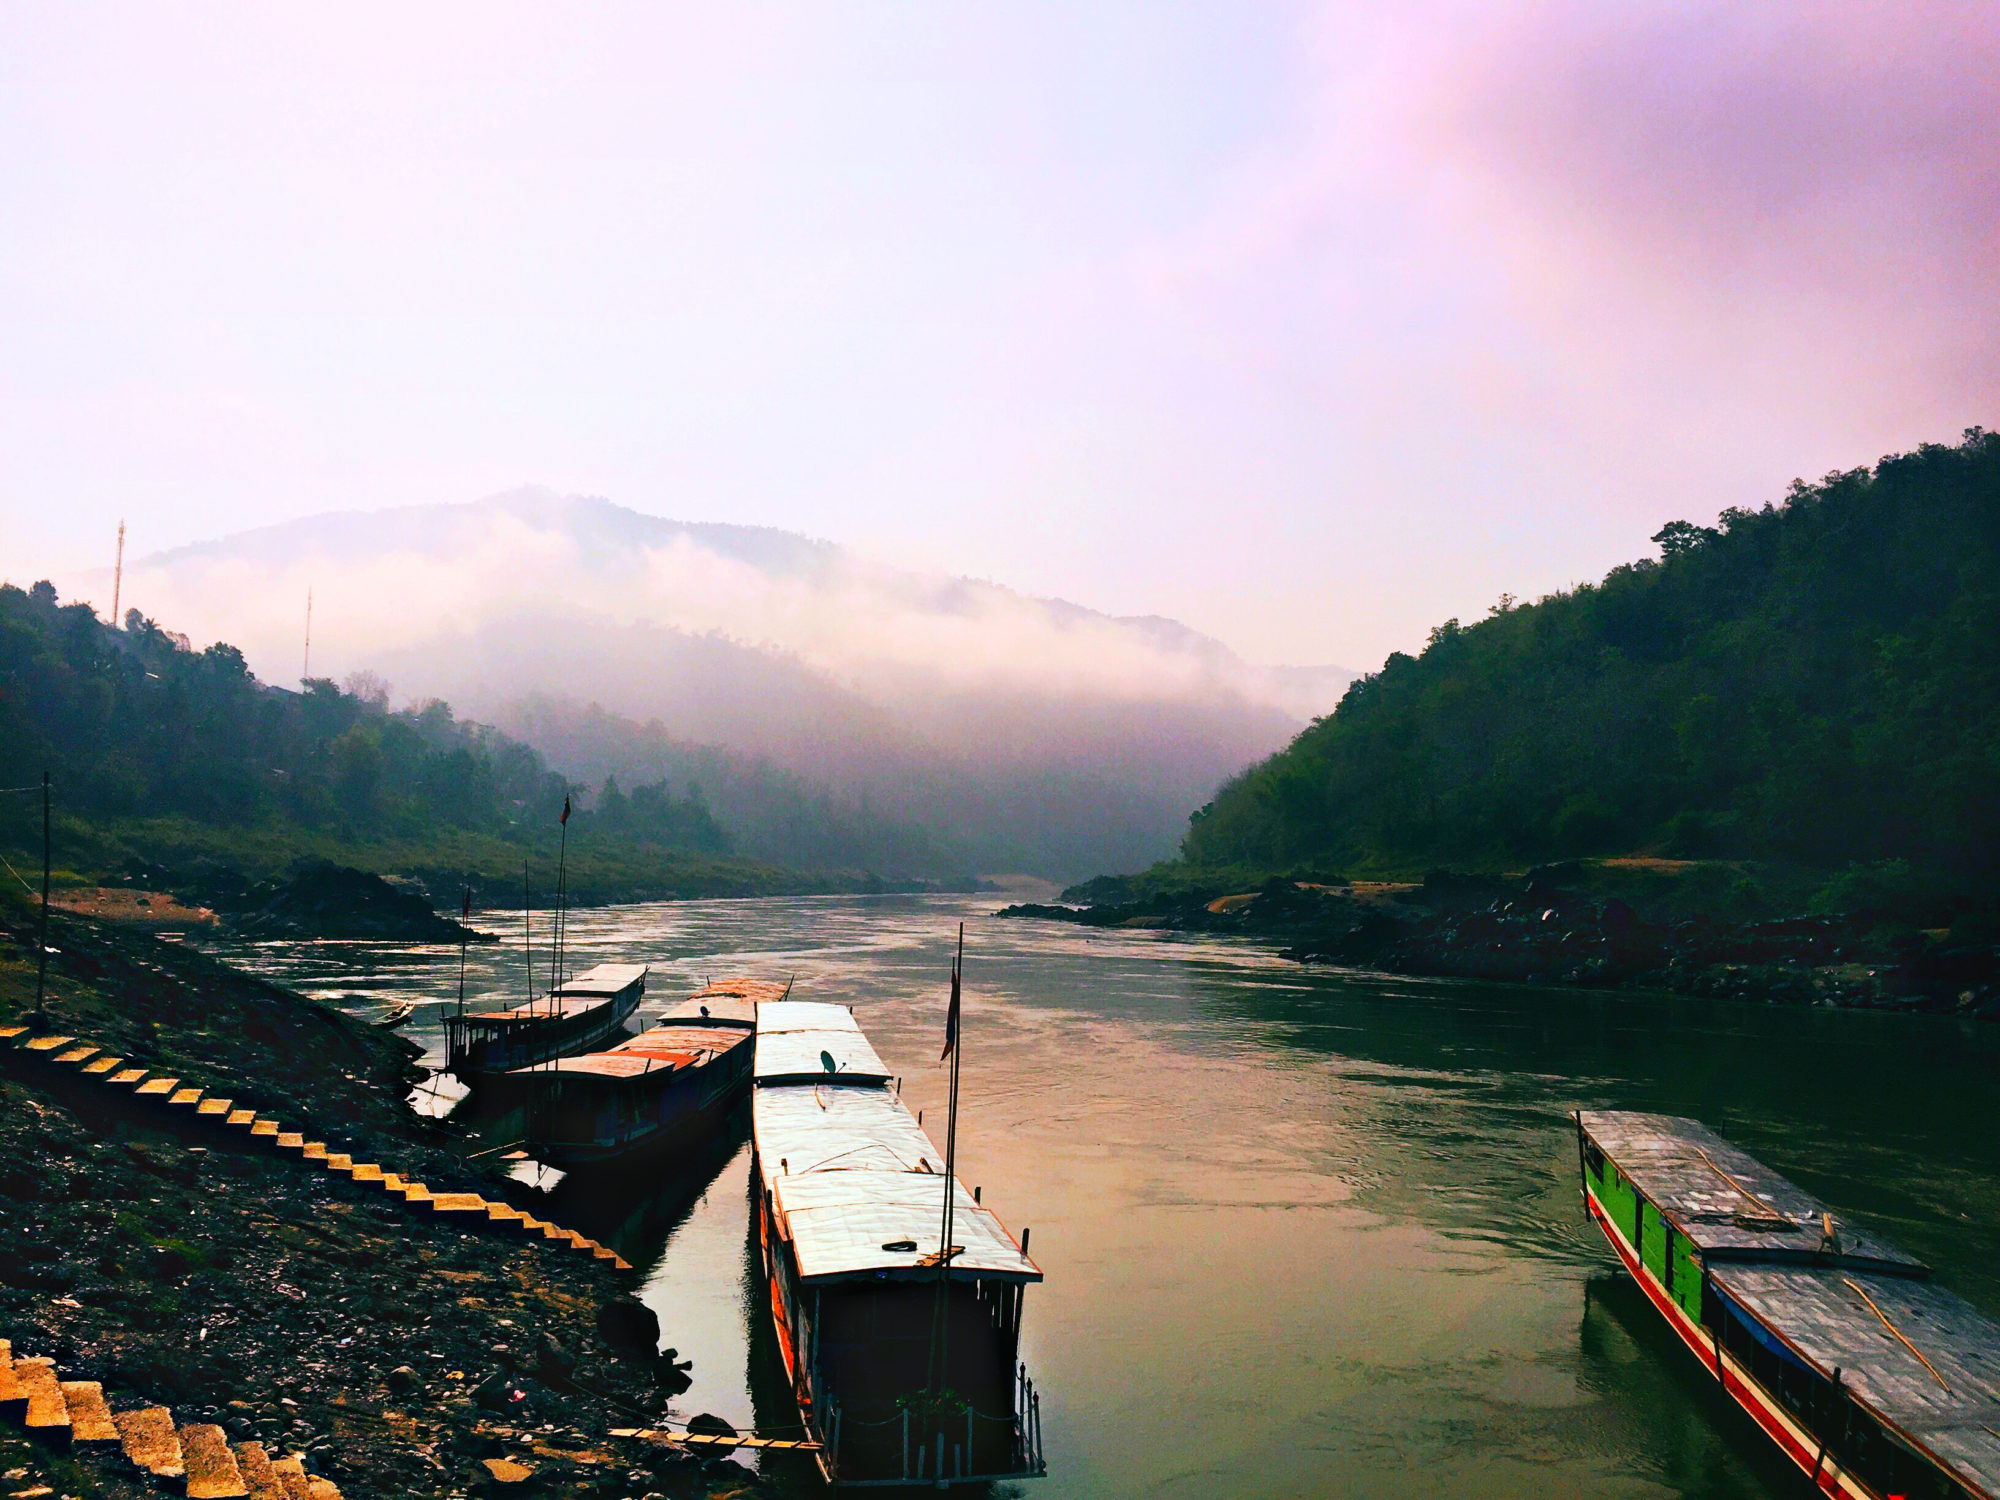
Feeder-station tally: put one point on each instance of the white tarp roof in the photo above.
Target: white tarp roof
(803, 1128)
(605, 979)
(841, 1223)
(792, 1035)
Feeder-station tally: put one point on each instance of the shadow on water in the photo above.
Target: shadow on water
(634, 1206)
(1713, 1450)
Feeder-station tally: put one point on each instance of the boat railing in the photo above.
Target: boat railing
(940, 1458)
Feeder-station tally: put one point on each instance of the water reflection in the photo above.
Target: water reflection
(1307, 1234)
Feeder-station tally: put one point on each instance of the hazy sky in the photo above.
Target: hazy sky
(1310, 325)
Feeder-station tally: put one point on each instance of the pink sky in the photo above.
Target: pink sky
(1308, 325)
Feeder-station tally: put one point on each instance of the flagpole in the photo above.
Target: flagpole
(941, 1305)
(464, 916)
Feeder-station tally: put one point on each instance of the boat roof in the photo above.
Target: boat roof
(603, 979)
(796, 1037)
(538, 1010)
(1847, 1303)
(1728, 1203)
(850, 1173)
(808, 1128)
(717, 1010)
(1825, 1317)
(660, 1048)
(843, 1224)
(741, 987)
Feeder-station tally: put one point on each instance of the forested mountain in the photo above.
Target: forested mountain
(140, 731)
(1818, 681)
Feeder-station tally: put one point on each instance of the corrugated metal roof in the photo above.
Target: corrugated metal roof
(716, 1011)
(1955, 1413)
(1725, 1200)
(842, 1223)
(654, 1050)
(795, 1056)
(613, 1064)
(807, 1129)
(756, 991)
(604, 979)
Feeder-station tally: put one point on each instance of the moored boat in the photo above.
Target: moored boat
(849, 1193)
(578, 1015)
(1875, 1381)
(649, 1090)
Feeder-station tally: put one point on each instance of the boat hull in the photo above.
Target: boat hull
(688, 1108)
(1797, 1444)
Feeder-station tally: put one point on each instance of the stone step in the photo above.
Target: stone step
(184, 1098)
(366, 1171)
(150, 1440)
(89, 1418)
(241, 1118)
(103, 1065)
(264, 1127)
(13, 1400)
(258, 1475)
(212, 1107)
(313, 1151)
(299, 1485)
(289, 1140)
(46, 1408)
(8, 1033)
(75, 1055)
(211, 1468)
(336, 1162)
(156, 1087)
(126, 1077)
(49, 1043)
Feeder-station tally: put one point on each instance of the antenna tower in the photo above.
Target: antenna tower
(118, 574)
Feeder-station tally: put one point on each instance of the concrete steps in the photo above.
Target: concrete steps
(197, 1457)
(85, 1060)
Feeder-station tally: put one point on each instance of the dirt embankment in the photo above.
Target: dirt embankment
(399, 1352)
(1550, 927)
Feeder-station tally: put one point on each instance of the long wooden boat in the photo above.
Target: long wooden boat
(848, 1201)
(582, 1013)
(650, 1090)
(1876, 1382)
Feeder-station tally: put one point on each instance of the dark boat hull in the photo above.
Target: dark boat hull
(534, 1042)
(690, 1103)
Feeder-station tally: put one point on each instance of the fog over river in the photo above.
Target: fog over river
(1306, 1233)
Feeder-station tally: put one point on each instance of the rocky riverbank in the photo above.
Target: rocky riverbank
(405, 1356)
(1550, 927)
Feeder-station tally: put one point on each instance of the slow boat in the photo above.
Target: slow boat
(650, 1090)
(849, 1202)
(582, 1013)
(1875, 1381)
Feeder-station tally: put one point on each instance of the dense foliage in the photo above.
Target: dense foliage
(135, 725)
(1816, 681)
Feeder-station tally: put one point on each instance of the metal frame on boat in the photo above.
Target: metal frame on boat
(848, 1196)
(1875, 1382)
(579, 1014)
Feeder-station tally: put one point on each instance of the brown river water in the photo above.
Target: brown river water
(1306, 1232)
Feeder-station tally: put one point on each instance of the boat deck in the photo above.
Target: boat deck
(795, 1039)
(1826, 1294)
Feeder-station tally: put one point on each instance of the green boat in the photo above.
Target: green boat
(1874, 1380)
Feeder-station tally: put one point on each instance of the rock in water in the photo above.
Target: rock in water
(628, 1325)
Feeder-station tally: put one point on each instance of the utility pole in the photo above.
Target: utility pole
(42, 939)
(118, 574)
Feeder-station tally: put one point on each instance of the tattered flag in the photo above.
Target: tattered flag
(564, 819)
(951, 1018)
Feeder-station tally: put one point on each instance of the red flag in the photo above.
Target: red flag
(951, 1018)
(564, 819)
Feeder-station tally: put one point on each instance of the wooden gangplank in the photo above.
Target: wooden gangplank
(717, 1439)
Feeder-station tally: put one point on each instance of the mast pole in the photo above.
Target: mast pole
(527, 936)
(465, 911)
(941, 1304)
(42, 933)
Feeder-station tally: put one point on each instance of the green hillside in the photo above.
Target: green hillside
(166, 756)
(1817, 682)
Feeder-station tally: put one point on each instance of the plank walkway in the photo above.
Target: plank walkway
(90, 1063)
(195, 1457)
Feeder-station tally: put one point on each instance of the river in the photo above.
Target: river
(1306, 1233)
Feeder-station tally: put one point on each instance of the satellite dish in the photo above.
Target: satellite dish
(826, 1061)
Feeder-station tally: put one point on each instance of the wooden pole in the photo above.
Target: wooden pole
(42, 938)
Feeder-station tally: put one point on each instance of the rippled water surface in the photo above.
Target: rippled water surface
(1306, 1233)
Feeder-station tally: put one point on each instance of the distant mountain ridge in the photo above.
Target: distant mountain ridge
(1035, 732)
